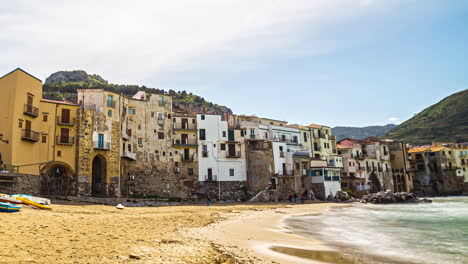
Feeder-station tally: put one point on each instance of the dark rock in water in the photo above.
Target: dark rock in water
(390, 197)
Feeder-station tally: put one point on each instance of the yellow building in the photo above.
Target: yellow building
(38, 136)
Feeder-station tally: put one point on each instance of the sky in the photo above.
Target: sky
(331, 62)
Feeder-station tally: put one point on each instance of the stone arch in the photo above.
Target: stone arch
(99, 176)
(376, 186)
(57, 178)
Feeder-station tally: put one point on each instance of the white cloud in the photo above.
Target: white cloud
(130, 41)
(394, 120)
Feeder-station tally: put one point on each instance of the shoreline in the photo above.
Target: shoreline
(263, 237)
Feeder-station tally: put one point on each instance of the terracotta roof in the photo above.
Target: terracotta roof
(58, 102)
(415, 150)
(315, 126)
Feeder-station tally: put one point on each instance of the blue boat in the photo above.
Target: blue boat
(9, 208)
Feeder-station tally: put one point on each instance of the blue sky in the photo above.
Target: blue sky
(334, 62)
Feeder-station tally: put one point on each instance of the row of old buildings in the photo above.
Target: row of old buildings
(110, 145)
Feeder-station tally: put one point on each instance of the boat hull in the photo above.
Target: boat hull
(9, 208)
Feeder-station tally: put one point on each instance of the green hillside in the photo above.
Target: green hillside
(446, 121)
(62, 85)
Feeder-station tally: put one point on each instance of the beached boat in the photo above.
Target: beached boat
(32, 203)
(4, 198)
(39, 200)
(9, 207)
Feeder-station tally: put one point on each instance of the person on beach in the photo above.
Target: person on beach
(290, 198)
(208, 201)
(295, 197)
(302, 198)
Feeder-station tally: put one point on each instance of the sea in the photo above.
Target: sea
(434, 232)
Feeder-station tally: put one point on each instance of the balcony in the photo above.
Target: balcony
(252, 137)
(129, 155)
(101, 145)
(66, 121)
(235, 154)
(29, 135)
(186, 158)
(62, 140)
(161, 122)
(211, 178)
(205, 154)
(335, 178)
(186, 142)
(31, 110)
(184, 126)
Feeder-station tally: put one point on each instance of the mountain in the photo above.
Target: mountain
(62, 85)
(446, 121)
(342, 132)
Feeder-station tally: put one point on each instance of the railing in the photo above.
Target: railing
(161, 121)
(61, 140)
(101, 145)
(31, 110)
(204, 154)
(211, 178)
(335, 178)
(322, 136)
(5, 168)
(187, 142)
(129, 154)
(186, 159)
(252, 136)
(30, 135)
(63, 122)
(236, 154)
(332, 138)
(327, 178)
(184, 126)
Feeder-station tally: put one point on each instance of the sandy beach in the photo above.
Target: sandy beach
(85, 233)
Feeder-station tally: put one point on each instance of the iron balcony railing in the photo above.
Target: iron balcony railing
(101, 145)
(31, 110)
(186, 142)
(204, 153)
(186, 158)
(184, 126)
(111, 103)
(161, 121)
(30, 135)
(62, 140)
(65, 121)
(5, 168)
(235, 154)
(211, 178)
(335, 178)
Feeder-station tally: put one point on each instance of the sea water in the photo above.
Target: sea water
(434, 232)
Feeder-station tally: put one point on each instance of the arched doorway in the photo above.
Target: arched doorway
(57, 178)
(99, 176)
(375, 183)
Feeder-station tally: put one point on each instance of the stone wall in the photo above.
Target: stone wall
(259, 166)
(319, 190)
(25, 183)
(226, 190)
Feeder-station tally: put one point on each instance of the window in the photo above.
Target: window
(202, 134)
(154, 130)
(176, 164)
(231, 172)
(224, 133)
(45, 117)
(59, 153)
(193, 121)
(44, 139)
(110, 101)
(129, 148)
(109, 113)
(214, 145)
(161, 100)
(281, 148)
(20, 123)
(153, 169)
(223, 146)
(152, 114)
(140, 141)
(297, 166)
(242, 133)
(202, 117)
(190, 171)
(139, 127)
(160, 135)
(160, 116)
(131, 111)
(305, 136)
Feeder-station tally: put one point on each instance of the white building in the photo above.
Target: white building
(220, 150)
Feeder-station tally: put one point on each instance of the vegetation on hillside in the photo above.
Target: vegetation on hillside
(63, 85)
(446, 121)
(342, 132)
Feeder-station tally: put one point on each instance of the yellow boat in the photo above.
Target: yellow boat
(29, 202)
